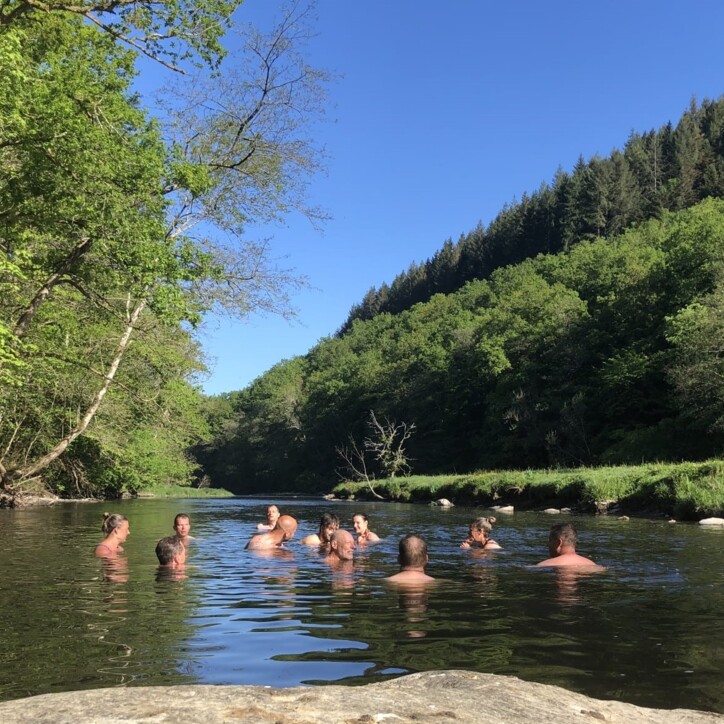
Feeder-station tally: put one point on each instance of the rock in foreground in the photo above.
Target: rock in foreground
(442, 697)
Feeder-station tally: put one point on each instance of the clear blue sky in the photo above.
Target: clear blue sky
(445, 112)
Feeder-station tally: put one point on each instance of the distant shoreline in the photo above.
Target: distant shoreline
(681, 491)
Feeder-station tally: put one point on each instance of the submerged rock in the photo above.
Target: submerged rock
(443, 697)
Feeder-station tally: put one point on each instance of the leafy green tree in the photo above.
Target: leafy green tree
(169, 32)
(697, 333)
(99, 216)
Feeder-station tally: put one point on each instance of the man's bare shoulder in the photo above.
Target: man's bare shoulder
(569, 560)
(260, 540)
(410, 577)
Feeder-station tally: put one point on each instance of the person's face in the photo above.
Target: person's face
(182, 527)
(360, 524)
(272, 515)
(345, 548)
(123, 531)
(328, 532)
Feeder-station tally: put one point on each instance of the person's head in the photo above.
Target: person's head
(413, 552)
(117, 525)
(170, 551)
(562, 539)
(342, 545)
(272, 515)
(182, 525)
(327, 525)
(360, 523)
(287, 524)
(480, 529)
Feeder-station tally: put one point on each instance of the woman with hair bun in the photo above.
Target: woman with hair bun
(479, 535)
(116, 528)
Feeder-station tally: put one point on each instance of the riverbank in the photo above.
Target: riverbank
(182, 491)
(39, 496)
(683, 491)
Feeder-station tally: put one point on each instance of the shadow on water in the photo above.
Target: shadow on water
(647, 630)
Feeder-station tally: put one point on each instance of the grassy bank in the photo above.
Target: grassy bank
(686, 491)
(179, 491)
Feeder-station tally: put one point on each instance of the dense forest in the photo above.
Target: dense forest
(584, 326)
(120, 230)
(672, 168)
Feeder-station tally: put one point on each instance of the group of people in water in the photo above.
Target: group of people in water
(337, 544)
(170, 550)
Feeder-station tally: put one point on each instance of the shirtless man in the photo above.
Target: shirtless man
(562, 547)
(364, 534)
(327, 526)
(412, 559)
(284, 530)
(171, 552)
(182, 526)
(272, 516)
(341, 547)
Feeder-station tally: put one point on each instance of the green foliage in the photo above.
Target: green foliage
(697, 334)
(119, 233)
(685, 490)
(170, 32)
(178, 491)
(668, 169)
(606, 354)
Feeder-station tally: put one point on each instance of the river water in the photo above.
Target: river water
(648, 630)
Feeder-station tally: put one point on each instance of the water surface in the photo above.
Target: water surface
(648, 630)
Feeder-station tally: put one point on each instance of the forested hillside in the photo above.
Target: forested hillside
(607, 352)
(671, 168)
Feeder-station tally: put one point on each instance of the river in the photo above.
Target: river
(648, 630)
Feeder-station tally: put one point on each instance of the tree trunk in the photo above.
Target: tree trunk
(19, 474)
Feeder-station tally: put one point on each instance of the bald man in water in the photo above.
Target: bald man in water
(284, 530)
(341, 547)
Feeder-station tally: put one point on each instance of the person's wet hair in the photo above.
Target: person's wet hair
(413, 551)
(483, 524)
(565, 533)
(180, 515)
(167, 549)
(111, 521)
(327, 520)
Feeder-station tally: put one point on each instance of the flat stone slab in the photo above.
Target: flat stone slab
(441, 697)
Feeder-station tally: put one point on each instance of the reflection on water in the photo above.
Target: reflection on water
(647, 630)
(115, 569)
